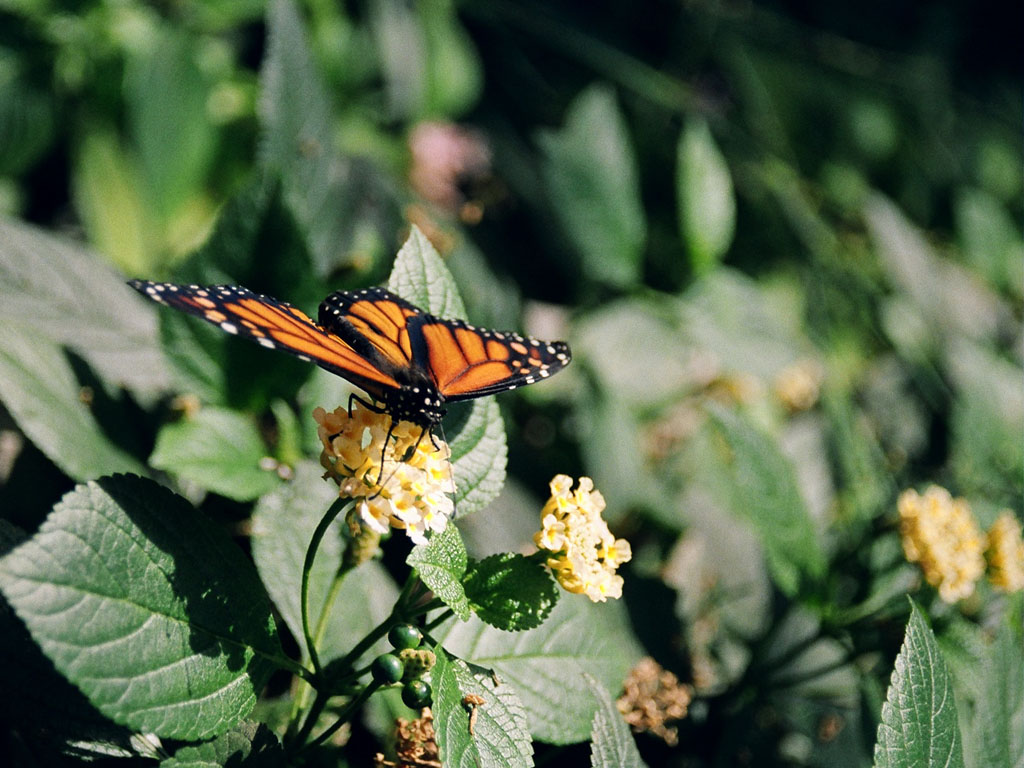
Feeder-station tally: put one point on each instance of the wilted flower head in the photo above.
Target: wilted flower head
(584, 554)
(1006, 553)
(653, 698)
(410, 491)
(940, 533)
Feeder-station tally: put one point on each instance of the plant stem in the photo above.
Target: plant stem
(333, 511)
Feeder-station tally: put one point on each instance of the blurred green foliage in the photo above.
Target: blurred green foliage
(783, 240)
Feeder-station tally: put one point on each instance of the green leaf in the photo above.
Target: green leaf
(27, 123)
(47, 709)
(298, 137)
(705, 199)
(510, 591)
(419, 275)
(919, 720)
(219, 450)
(147, 607)
(108, 197)
(761, 487)
(499, 738)
(546, 665)
(591, 176)
(441, 563)
(454, 74)
(999, 713)
(249, 745)
(39, 388)
(476, 435)
(283, 522)
(71, 297)
(166, 95)
(611, 741)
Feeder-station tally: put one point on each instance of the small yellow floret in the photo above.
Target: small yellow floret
(410, 494)
(584, 554)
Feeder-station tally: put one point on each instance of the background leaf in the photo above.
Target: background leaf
(919, 719)
(545, 666)
(283, 523)
(219, 450)
(39, 388)
(591, 176)
(64, 292)
(707, 205)
(126, 588)
(762, 488)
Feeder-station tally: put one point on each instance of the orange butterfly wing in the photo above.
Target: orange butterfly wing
(275, 325)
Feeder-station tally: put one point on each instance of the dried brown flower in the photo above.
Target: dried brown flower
(653, 698)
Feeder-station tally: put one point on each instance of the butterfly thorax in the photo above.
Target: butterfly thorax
(416, 400)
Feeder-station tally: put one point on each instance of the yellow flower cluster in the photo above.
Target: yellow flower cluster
(1006, 553)
(940, 533)
(585, 555)
(409, 492)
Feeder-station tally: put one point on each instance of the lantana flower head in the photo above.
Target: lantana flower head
(1006, 553)
(942, 536)
(409, 491)
(584, 556)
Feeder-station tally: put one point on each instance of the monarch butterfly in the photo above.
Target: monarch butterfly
(408, 360)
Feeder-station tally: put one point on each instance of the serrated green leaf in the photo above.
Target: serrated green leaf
(282, 525)
(248, 745)
(510, 591)
(762, 488)
(297, 141)
(545, 666)
(419, 275)
(38, 387)
(71, 297)
(999, 714)
(704, 197)
(219, 450)
(611, 741)
(147, 607)
(499, 738)
(591, 176)
(474, 430)
(441, 563)
(47, 709)
(919, 719)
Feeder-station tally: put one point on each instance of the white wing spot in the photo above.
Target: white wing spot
(229, 328)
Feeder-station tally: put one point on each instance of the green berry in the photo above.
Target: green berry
(404, 636)
(387, 668)
(416, 694)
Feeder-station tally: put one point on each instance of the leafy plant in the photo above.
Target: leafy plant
(781, 243)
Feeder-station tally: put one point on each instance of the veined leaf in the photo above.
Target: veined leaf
(147, 607)
(499, 736)
(611, 741)
(919, 720)
(441, 562)
(545, 666)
